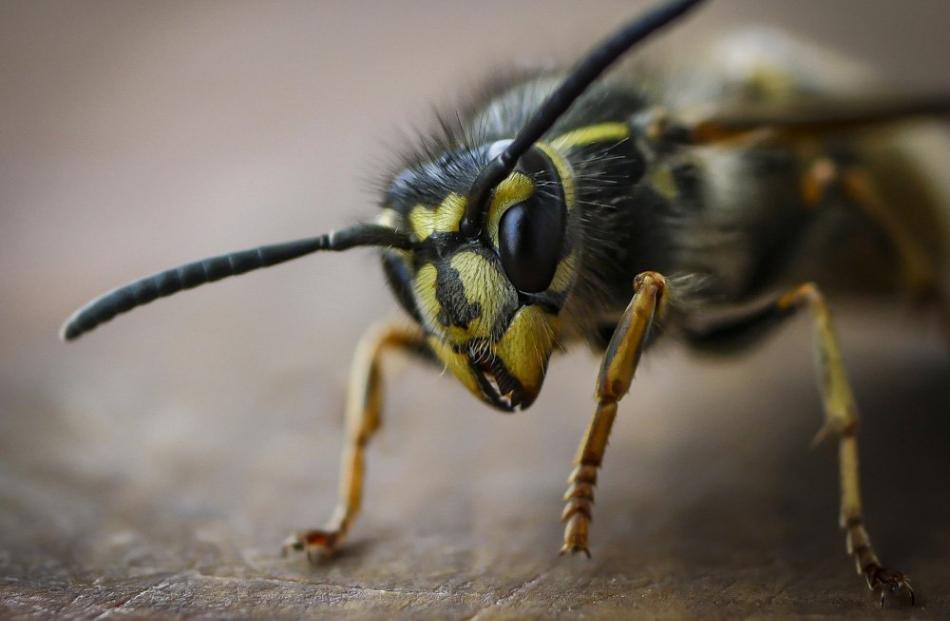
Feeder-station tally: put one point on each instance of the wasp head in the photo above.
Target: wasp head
(489, 302)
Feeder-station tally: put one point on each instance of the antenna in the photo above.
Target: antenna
(574, 85)
(197, 273)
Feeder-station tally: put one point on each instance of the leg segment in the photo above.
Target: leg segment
(841, 420)
(613, 382)
(363, 409)
(919, 268)
(920, 272)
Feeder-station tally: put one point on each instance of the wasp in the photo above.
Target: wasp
(575, 207)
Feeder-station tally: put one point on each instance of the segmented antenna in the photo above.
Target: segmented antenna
(573, 86)
(191, 275)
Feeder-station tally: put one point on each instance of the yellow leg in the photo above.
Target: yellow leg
(363, 409)
(841, 420)
(920, 271)
(613, 382)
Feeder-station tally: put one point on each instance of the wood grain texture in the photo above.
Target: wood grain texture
(710, 502)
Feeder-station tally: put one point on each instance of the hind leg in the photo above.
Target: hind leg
(841, 414)
(841, 421)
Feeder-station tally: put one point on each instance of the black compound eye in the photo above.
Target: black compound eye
(530, 236)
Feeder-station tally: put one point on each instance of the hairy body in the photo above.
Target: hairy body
(727, 223)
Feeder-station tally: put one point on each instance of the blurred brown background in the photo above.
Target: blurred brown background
(153, 468)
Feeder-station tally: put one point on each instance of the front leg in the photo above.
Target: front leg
(363, 418)
(613, 382)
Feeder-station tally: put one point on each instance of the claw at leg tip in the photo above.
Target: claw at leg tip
(574, 549)
(897, 585)
(292, 543)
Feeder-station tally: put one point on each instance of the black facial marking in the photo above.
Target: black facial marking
(450, 292)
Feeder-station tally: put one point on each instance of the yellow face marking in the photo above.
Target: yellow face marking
(564, 274)
(484, 285)
(525, 349)
(456, 363)
(564, 171)
(445, 218)
(517, 188)
(429, 307)
(420, 219)
(591, 134)
(527, 345)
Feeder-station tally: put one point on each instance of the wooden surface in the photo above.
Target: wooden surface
(153, 469)
(710, 503)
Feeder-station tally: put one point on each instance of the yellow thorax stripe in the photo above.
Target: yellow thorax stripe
(564, 171)
(591, 134)
(557, 149)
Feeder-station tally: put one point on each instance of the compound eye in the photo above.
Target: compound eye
(530, 236)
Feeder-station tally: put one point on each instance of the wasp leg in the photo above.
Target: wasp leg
(920, 271)
(613, 382)
(363, 418)
(841, 420)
